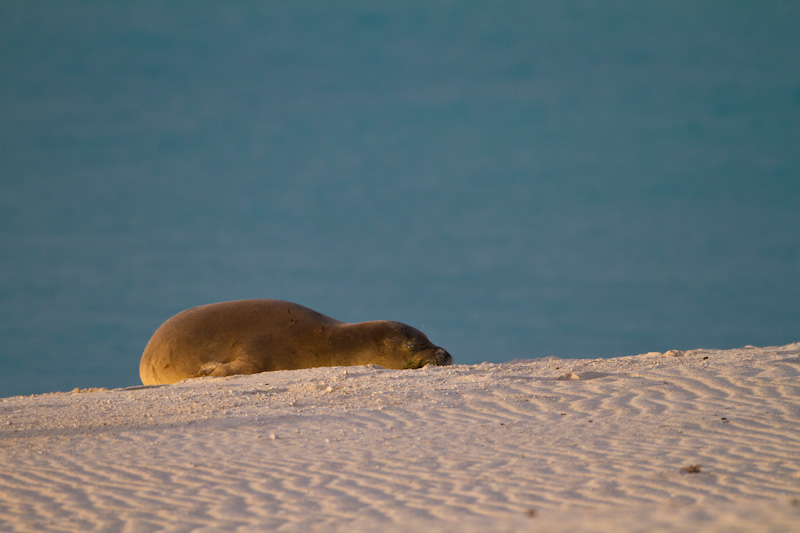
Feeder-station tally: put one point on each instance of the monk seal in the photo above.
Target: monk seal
(251, 336)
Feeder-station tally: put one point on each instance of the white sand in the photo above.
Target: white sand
(550, 445)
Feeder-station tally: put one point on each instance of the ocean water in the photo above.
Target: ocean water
(516, 179)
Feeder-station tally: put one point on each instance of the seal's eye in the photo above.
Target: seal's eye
(412, 346)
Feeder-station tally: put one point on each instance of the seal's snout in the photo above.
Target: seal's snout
(442, 357)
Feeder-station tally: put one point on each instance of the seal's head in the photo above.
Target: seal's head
(413, 346)
(392, 344)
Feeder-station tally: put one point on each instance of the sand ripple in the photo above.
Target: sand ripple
(597, 445)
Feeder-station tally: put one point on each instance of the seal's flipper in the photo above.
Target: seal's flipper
(237, 366)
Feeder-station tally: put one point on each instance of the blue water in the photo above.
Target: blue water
(516, 179)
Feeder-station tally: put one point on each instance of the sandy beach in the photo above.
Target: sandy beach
(702, 440)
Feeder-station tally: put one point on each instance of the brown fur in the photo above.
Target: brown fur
(251, 336)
